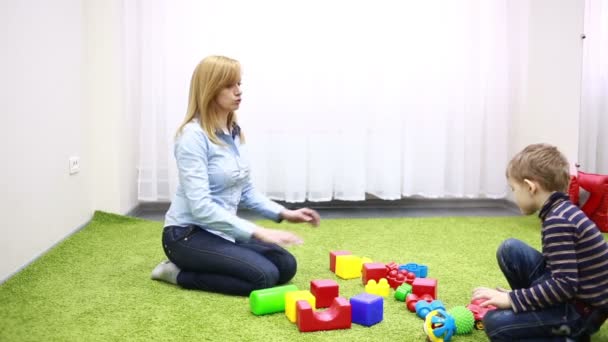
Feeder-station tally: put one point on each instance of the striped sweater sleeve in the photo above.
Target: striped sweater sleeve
(559, 250)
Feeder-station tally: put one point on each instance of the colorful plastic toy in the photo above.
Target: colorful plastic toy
(271, 300)
(422, 286)
(423, 307)
(420, 271)
(439, 326)
(396, 278)
(367, 309)
(479, 312)
(324, 290)
(337, 316)
(392, 266)
(402, 291)
(291, 298)
(373, 270)
(463, 319)
(332, 259)
(596, 206)
(411, 300)
(380, 288)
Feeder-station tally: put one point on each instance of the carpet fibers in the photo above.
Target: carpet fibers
(95, 286)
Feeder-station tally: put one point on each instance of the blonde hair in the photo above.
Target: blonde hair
(210, 76)
(542, 163)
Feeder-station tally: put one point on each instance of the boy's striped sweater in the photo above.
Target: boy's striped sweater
(576, 254)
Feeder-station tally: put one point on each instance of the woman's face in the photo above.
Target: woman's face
(229, 98)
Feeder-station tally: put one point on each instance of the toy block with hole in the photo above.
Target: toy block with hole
(380, 288)
(332, 259)
(367, 309)
(324, 290)
(373, 270)
(337, 316)
(271, 300)
(291, 298)
(422, 286)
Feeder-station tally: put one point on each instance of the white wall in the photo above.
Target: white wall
(550, 107)
(113, 134)
(47, 115)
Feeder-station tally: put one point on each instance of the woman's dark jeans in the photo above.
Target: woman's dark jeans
(211, 263)
(523, 266)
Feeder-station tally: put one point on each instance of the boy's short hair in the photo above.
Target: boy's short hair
(542, 163)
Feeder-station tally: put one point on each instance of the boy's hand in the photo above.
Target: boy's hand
(499, 299)
(301, 215)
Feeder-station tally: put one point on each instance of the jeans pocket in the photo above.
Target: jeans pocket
(174, 234)
(183, 233)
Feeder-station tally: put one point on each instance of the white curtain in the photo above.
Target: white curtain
(593, 147)
(342, 99)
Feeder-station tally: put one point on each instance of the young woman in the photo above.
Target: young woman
(208, 246)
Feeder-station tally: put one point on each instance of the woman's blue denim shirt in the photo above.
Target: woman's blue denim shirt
(213, 181)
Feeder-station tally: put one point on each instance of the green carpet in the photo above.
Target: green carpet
(95, 286)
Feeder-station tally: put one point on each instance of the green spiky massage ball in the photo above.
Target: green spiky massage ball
(464, 319)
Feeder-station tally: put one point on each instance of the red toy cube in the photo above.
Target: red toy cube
(324, 290)
(332, 258)
(422, 286)
(373, 270)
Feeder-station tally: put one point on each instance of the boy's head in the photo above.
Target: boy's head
(538, 168)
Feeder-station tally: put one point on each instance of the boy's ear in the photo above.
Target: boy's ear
(531, 186)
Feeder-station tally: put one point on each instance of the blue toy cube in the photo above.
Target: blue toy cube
(367, 309)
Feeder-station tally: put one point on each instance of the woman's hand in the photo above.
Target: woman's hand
(499, 299)
(279, 237)
(301, 215)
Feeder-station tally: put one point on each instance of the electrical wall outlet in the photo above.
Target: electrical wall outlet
(74, 165)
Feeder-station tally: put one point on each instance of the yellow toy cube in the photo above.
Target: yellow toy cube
(348, 266)
(291, 298)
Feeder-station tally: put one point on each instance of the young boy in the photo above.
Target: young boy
(560, 294)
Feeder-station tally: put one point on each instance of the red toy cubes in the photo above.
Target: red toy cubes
(422, 286)
(324, 291)
(373, 270)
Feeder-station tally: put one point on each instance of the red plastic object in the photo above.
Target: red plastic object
(409, 278)
(337, 316)
(392, 266)
(411, 300)
(373, 270)
(396, 278)
(479, 311)
(422, 286)
(332, 258)
(324, 290)
(596, 206)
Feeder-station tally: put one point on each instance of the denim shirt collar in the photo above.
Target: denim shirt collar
(234, 132)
